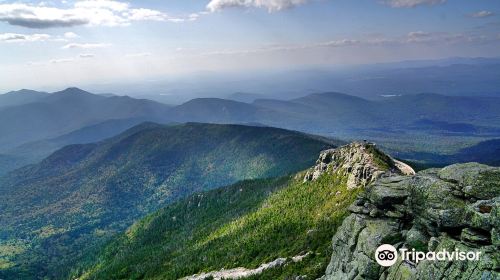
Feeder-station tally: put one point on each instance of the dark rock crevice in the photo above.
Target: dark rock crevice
(454, 207)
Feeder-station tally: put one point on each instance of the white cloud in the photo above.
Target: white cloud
(85, 46)
(415, 37)
(62, 60)
(270, 5)
(288, 48)
(339, 43)
(144, 54)
(278, 5)
(16, 38)
(194, 16)
(71, 35)
(87, 12)
(103, 4)
(411, 3)
(446, 38)
(75, 59)
(482, 14)
(146, 14)
(419, 36)
(40, 16)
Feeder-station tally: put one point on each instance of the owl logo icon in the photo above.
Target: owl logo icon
(386, 255)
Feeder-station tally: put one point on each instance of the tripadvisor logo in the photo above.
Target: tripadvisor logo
(387, 255)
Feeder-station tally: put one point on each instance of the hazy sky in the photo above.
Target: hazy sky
(61, 43)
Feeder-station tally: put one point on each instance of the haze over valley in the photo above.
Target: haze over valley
(249, 139)
(442, 128)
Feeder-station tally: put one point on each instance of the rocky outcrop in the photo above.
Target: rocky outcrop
(241, 272)
(361, 163)
(454, 208)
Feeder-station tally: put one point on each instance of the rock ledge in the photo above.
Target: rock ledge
(362, 163)
(457, 207)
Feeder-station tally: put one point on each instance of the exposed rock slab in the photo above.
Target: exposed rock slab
(241, 272)
(362, 163)
(457, 207)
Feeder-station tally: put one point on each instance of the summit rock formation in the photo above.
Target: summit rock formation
(362, 163)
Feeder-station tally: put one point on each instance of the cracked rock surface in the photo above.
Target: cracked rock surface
(362, 163)
(456, 207)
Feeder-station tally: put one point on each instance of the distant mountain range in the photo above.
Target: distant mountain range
(487, 152)
(321, 113)
(324, 113)
(244, 97)
(215, 110)
(82, 194)
(62, 112)
(10, 162)
(455, 76)
(35, 151)
(42, 123)
(20, 97)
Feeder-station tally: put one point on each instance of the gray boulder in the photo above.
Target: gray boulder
(457, 207)
(362, 163)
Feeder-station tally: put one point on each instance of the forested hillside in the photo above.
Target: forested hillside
(246, 225)
(82, 194)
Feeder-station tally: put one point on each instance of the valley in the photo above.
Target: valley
(83, 194)
(405, 126)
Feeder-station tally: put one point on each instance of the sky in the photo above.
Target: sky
(50, 44)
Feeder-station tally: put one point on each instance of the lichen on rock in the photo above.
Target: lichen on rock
(457, 207)
(362, 163)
